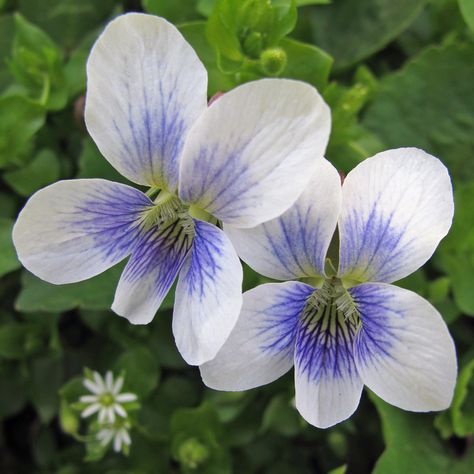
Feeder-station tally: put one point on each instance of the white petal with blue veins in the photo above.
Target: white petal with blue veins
(396, 207)
(295, 244)
(251, 154)
(208, 295)
(404, 351)
(73, 230)
(145, 88)
(327, 384)
(151, 271)
(260, 349)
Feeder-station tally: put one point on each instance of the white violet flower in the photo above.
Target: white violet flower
(243, 160)
(350, 327)
(106, 399)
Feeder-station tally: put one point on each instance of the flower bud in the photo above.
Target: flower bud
(253, 44)
(273, 61)
(192, 453)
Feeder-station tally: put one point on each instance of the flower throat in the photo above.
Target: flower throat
(331, 306)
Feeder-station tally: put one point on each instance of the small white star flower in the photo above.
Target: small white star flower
(118, 434)
(106, 399)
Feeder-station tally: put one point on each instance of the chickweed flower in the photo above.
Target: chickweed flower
(118, 434)
(345, 325)
(243, 160)
(105, 399)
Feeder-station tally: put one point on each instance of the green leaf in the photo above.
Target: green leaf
(353, 30)
(240, 31)
(462, 408)
(222, 30)
(43, 170)
(8, 258)
(67, 21)
(173, 11)
(141, 371)
(350, 142)
(37, 64)
(20, 119)
(412, 446)
(75, 68)
(455, 254)
(93, 165)
(195, 34)
(281, 417)
(8, 205)
(7, 28)
(339, 470)
(12, 340)
(195, 444)
(96, 293)
(13, 392)
(429, 104)
(303, 3)
(205, 7)
(306, 63)
(44, 385)
(467, 10)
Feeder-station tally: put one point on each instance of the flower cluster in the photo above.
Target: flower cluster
(110, 405)
(252, 163)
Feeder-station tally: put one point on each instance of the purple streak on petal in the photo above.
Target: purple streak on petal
(159, 254)
(376, 335)
(296, 245)
(204, 267)
(373, 246)
(322, 353)
(219, 187)
(280, 319)
(111, 217)
(157, 130)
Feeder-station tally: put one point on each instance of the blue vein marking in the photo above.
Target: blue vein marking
(111, 217)
(377, 334)
(207, 257)
(324, 344)
(279, 320)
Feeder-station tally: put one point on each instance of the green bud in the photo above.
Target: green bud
(192, 453)
(68, 419)
(253, 44)
(256, 15)
(273, 61)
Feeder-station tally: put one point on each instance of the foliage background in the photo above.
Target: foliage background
(401, 74)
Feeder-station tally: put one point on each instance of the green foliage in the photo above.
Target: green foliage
(43, 170)
(195, 33)
(96, 293)
(20, 119)
(467, 10)
(8, 260)
(196, 441)
(413, 446)
(351, 31)
(249, 40)
(36, 63)
(456, 253)
(141, 370)
(67, 21)
(428, 104)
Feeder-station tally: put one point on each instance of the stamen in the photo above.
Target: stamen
(330, 306)
(166, 210)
